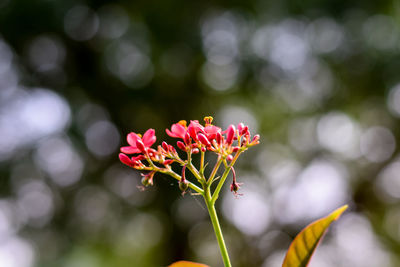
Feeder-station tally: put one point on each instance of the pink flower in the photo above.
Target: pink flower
(137, 143)
(178, 130)
(211, 132)
(194, 128)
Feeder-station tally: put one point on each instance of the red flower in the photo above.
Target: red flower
(194, 128)
(137, 143)
(211, 131)
(178, 130)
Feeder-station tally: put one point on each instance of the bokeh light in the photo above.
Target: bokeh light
(319, 82)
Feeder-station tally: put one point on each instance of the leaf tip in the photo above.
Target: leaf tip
(336, 214)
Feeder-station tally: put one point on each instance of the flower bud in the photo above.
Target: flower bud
(168, 162)
(183, 184)
(229, 157)
(195, 150)
(245, 130)
(165, 146)
(235, 149)
(138, 158)
(240, 127)
(187, 138)
(152, 151)
(219, 138)
(148, 178)
(140, 146)
(126, 160)
(256, 139)
(230, 134)
(181, 145)
(203, 139)
(235, 187)
(203, 149)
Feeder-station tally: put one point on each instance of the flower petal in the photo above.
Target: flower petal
(149, 137)
(171, 133)
(131, 138)
(212, 129)
(179, 130)
(129, 150)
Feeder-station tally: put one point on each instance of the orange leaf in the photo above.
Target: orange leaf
(305, 243)
(187, 264)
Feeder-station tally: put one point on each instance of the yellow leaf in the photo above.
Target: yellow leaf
(305, 243)
(187, 264)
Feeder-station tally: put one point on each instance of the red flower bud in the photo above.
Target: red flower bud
(140, 146)
(245, 130)
(187, 138)
(126, 160)
(195, 150)
(235, 149)
(256, 139)
(219, 138)
(229, 157)
(230, 134)
(203, 139)
(165, 146)
(181, 145)
(168, 161)
(240, 127)
(203, 149)
(172, 149)
(138, 158)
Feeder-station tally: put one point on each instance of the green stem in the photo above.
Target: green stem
(214, 171)
(195, 172)
(223, 178)
(217, 227)
(202, 164)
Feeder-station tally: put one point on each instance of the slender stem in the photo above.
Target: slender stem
(217, 227)
(223, 178)
(195, 172)
(202, 164)
(214, 171)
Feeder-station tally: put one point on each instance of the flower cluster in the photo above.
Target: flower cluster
(194, 138)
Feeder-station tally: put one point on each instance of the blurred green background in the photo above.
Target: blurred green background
(318, 80)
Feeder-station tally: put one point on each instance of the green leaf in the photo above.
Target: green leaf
(305, 243)
(187, 264)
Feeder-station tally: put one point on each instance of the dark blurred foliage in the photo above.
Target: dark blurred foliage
(319, 80)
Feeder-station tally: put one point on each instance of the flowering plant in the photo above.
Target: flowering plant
(200, 139)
